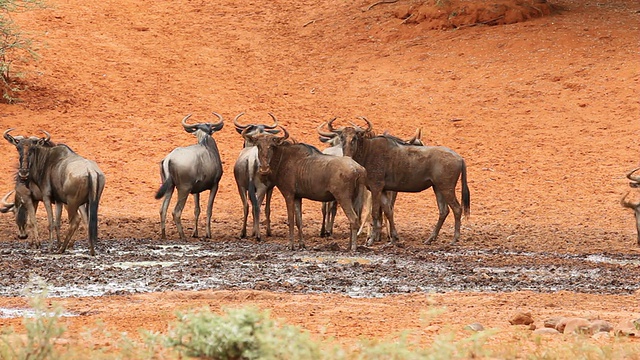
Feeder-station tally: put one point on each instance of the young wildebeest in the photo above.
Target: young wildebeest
(302, 171)
(396, 167)
(192, 169)
(635, 203)
(58, 175)
(251, 186)
(388, 198)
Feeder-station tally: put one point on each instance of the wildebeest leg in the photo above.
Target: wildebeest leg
(290, 218)
(177, 211)
(267, 211)
(325, 210)
(47, 206)
(376, 215)
(245, 212)
(347, 207)
(212, 197)
(260, 193)
(196, 213)
(333, 209)
(388, 199)
(637, 214)
(74, 221)
(163, 212)
(56, 225)
(32, 221)
(298, 208)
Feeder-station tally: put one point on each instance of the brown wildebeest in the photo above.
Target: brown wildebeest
(631, 204)
(28, 196)
(251, 186)
(61, 176)
(387, 199)
(192, 169)
(396, 167)
(302, 171)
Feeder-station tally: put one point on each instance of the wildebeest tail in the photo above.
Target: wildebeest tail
(167, 183)
(96, 184)
(466, 199)
(252, 195)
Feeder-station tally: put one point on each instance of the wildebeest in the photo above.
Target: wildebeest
(56, 174)
(251, 186)
(302, 171)
(635, 203)
(392, 166)
(388, 198)
(192, 169)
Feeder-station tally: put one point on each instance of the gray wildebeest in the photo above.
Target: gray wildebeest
(192, 169)
(27, 197)
(392, 166)
(302, 171)
(251, 186)
(62, 177)
(633, 204)
(388, 198)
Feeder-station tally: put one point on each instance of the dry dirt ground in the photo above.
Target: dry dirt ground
(543, 109)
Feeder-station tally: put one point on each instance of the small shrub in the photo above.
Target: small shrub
(15, 46)
(241, 334)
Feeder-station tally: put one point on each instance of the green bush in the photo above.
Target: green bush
(242, 334)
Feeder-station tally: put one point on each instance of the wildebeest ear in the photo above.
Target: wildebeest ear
(272, 131)
(218, 126)
(324, 139)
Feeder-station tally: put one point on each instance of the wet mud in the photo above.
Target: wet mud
(129, 266)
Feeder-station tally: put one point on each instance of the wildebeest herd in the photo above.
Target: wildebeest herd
(361, 171)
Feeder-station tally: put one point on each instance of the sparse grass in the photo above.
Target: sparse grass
(249, 333)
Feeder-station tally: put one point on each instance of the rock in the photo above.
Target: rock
(521, 318)
(626, 328)
(563, 323)
(552, 322)
(577, 326)
(546, 331)
(601, 336)
(600, 326)
(474, 327)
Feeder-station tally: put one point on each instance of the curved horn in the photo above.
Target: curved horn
(4, 199)
(9, 137)
(216, 125)
(634, 178)
(185, 125)
(324, 133)
(369, 126)
(415, 137)
(275, 122)
(330, 126)
(47, 136)
(286, 133)
(628, 204)
(237, 124)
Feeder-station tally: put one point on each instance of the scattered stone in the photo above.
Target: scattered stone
(601, 336)
(563, 323)
(552, 322)
(577, 326)
(626, 328)
(474, 327)
(521, 318)
(600, 326)
(546, 331)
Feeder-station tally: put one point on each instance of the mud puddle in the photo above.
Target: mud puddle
(135, 266)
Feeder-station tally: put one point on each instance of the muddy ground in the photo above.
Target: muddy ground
(544, 109)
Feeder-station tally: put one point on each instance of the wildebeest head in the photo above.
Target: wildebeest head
(265, 142)
(25, 147)
(253, 129)
(207, 128)
(632, 202)
(18, 207)
(351, 137)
